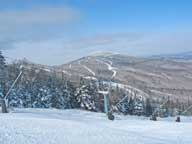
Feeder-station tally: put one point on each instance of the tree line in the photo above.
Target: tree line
(40, 89)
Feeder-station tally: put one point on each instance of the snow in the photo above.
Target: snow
(91, 78)
(88, 69)
(147, 73)
(128, 88)
(162, 93)
(103, 92)
(102, 53)
(110, 68)
(66, 72)
(46, 69)
(51, 126)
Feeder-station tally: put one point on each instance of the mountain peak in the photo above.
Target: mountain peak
(101, 53)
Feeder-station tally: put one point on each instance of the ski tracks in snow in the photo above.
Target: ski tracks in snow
(36, 126)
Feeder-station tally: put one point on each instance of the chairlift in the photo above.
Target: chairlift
(109, 113)
(179, 118)
(4, 101)
(154, 114)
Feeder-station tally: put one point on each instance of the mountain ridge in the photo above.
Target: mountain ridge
(152, 77)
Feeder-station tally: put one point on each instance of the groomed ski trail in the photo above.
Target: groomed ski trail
(109, 66)
(88, 69)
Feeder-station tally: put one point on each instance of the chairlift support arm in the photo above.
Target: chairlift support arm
(13, 85)
(187, 109)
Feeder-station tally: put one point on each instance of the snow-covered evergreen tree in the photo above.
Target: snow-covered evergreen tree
(1, 91)
(85, 97)
(148, 107)
(3, 75)
(138, 106)
(68, 95)
(2, 61)
(131, 106)
(62, 96)
(43, 97)
(16, 98)
(72, 98)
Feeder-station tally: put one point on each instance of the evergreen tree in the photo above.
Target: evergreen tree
(1, 91)
(85, 97)
(148, 107)
(57, 100)
(2, 61)
(3, 75)
(131, 106)
(166, 107)
(16, 98)
(63, 97)
(138, 106)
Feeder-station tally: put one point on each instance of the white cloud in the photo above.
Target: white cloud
(59, 51)
(34, 23)
(38, 15)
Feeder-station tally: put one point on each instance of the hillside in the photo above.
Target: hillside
(159, 79)
(155, 77)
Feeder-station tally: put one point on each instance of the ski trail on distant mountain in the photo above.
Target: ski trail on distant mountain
(162, 93)
(110, 68)
(90, 78)
(130, 89)
(88, 69)
(162, 75)
(46, 69)
(66, 72)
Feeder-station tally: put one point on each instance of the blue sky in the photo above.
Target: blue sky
(69, 29)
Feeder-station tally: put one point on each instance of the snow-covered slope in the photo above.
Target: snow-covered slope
(38, 126)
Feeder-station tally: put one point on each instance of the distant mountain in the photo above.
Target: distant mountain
(157, 77)
(184, 56)
(151, 77)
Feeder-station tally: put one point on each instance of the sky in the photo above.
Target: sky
(54, 32)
